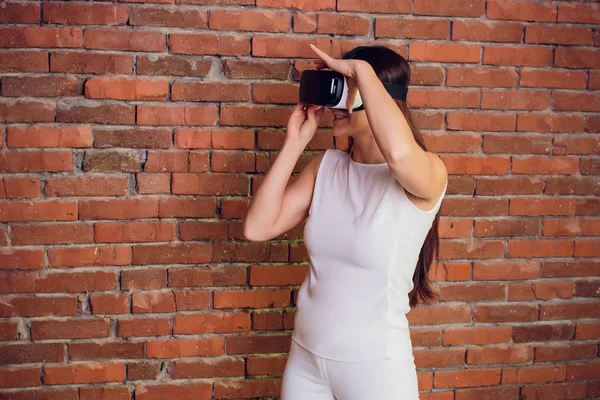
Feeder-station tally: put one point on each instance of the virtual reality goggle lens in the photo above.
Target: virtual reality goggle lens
(330, 89)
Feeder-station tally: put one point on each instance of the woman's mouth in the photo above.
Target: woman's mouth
(338, 117)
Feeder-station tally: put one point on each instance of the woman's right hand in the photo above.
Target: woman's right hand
(303, 123)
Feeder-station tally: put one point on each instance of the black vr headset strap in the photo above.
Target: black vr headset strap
(398, 92)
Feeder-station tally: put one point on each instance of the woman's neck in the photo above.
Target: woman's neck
(365, 151)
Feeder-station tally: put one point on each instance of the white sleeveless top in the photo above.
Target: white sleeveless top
(363, 237)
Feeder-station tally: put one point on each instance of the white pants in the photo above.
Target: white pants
(310, 377)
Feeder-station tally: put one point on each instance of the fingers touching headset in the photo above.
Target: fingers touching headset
(345, 67)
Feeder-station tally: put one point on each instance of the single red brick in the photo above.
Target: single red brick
(305, 22)
(20, 13)
(85, 14)
(533, 56)
(109, 392)
(126, 88)
(98, 351)
(550, 122)
(172, 65)
(461, 8)
(226, 367)
(476, 335)
(144, 138)
(414, 28)
(70, 329)
(138, 231)
(142, 371)
(514, 100)
(480, 31)
(44, 37)
(481, 121)
(84, 373)
(576, 101)
(187, 207)
(475, 248)
(109, 303)
(91, 63)
(153, 183)
(247, 388)
(256, 69)
(21, 61)
(580, 13)
(539, 164)
(565, 35)
(15, 187)
(250, 20)
(210, 44)
(76, 282)
(197, 391)
(124, 39)
(372, 6)
(484, 77)
(552, 79)
(86, 186)
(152, 302)
(153, 326)
(192, 300)
(522, 10)
(257, 298)
(167, 16)
(445, 52)
(49, 136)
(43, 86)
(89, 256)
(11, 258)
(196, 276)
(254, 344)
(38, 306)
(287, 47)
(211, 323)
(342, 24)
(92, 112)
(176, 115)
(254, 116)
(38, 211)
(192, 138)
(209, 91)
(180, 253)
(27, 111)
(213, 184)
(185, 348)
(232, 161)
(167, 161)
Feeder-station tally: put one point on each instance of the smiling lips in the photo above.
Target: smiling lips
(340, 115)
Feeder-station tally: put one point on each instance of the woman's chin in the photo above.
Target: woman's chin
(338, 131)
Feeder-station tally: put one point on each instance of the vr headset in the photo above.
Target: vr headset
(330, 88)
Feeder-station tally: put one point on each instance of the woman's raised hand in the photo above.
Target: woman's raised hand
(348, 68)
(304, 122)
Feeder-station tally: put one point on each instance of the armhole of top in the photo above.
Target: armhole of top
(317, 187)
(437, 204)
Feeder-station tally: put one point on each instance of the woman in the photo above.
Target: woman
(371, 235)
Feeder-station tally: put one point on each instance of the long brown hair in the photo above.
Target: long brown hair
(391, 67)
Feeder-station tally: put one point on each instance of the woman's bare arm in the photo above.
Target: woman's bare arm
(277, 207)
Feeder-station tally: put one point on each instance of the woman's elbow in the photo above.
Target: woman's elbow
(250, 234)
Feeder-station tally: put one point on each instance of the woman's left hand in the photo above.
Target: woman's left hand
(348, 68)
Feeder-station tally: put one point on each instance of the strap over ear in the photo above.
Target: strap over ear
(397, 92)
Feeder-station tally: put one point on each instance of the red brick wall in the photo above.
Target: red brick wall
(134, 132)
